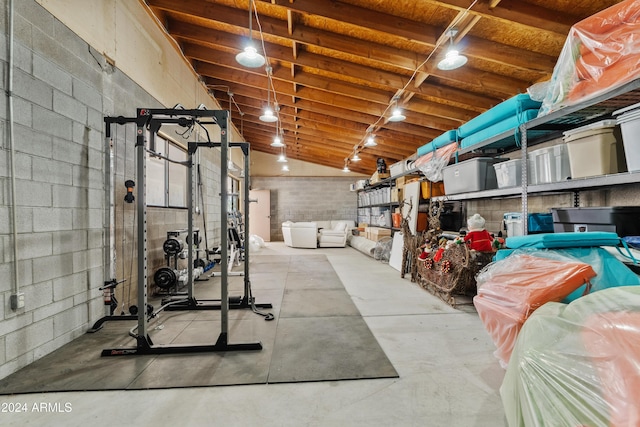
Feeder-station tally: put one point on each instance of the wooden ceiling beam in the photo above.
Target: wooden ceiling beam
(521, 13)
(403, 133)
(518, 12)
(252, 96)
(330, 140)
(194, 42)
(520, 58)
(428, 34)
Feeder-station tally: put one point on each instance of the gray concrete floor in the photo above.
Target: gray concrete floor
(448, 374)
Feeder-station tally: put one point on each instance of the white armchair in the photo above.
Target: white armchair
(300, 234)
(333, 234)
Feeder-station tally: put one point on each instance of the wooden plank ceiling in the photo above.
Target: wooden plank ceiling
(338, 66)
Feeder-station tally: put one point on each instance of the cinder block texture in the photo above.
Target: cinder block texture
(307, 199)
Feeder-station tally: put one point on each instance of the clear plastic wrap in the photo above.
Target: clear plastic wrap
(382, 251)
(601, 53)
(432, 164)
(577, 364)
(511, 289)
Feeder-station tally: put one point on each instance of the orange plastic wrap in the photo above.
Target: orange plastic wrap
(511, 289)
(578, 364)
(601, 53)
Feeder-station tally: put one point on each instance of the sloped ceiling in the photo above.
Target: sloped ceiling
(338, 67)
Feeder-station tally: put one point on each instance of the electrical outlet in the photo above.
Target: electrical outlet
(17, 301)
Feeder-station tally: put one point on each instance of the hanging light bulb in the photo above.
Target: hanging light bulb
(282, 158)
(371, 141)
(355, 158)
(250, 57)
(267, 115)
(285, 168)
(346, 169)
(452, 59)
(277, 142)
(397, 115)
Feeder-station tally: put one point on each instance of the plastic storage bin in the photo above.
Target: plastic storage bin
(620, 219)
(430, 189)
(513, 224)
(472, 175)
(629, 121)
(549, 164)
(509, 173)
(536, 223)
(593, 149)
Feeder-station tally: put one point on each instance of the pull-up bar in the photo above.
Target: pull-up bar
(153, 119)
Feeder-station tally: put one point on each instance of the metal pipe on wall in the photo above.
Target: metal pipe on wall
(12, 156)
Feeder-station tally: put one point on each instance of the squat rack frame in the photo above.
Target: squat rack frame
(152, 119)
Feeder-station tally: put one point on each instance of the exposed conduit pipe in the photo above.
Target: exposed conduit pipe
(14, 225)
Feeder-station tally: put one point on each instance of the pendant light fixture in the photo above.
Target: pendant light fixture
(285, 168)
(355, 158)
(250, 57)
(371, 141)
(346, 169)
(267, 115)
(452, 59)
(397, 115)
(277, 140)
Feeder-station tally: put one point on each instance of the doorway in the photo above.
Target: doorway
(260, 214)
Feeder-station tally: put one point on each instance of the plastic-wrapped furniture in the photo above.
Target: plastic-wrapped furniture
(300, 234)
(601, 53)
(511, 289)
(577, 364)
(333, 234)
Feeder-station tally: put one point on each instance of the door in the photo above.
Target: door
(260, 214)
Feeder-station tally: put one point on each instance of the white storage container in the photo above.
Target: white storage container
(509, 173)
(475, 174)
(549, 164)
(629, 121)
(513, 224)
(593, 149)
(398, 168)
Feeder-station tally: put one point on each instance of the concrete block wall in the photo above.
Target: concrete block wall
(58, 109)
(307, 199)
(62, 91)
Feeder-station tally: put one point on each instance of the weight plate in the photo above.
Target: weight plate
(165, 278)
(172, 246)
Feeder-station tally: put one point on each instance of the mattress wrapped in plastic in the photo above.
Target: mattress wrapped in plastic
(601, 53)
(577, 364)
(610, 271)
(511, 289)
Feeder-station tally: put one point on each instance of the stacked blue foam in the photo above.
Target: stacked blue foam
(505, 116)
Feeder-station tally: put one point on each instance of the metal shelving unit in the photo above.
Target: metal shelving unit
(548, 127)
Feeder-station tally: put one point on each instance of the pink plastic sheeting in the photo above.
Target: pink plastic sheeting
(601, 53)
(511, 289)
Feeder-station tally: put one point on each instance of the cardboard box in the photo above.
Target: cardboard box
(396, 194)
(403, 180)
(376, 233)
(377, 177)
